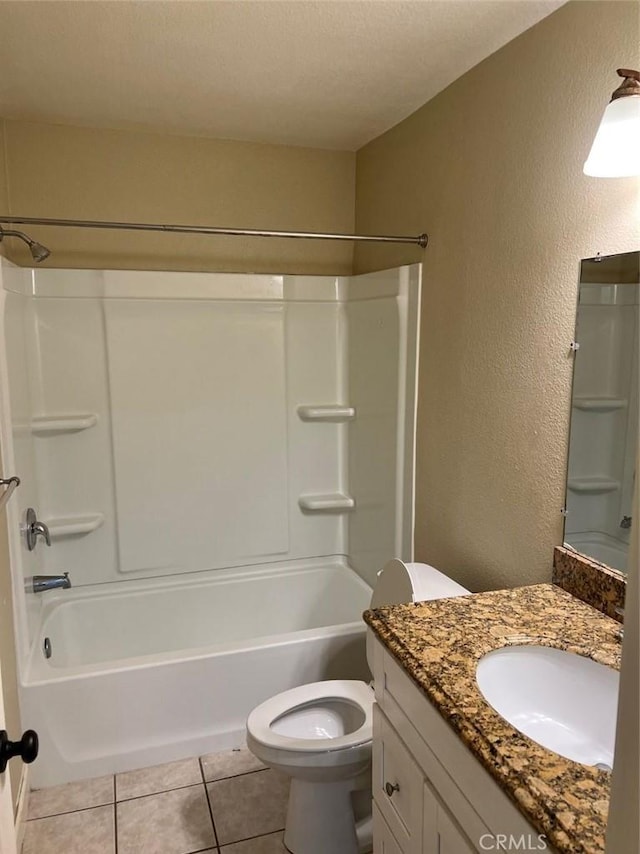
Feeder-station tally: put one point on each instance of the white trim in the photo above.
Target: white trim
(22, 809)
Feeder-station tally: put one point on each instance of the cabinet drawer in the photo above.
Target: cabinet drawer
(384, 841)
(397, 785)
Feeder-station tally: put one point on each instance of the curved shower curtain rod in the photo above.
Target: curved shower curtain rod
(419, 240)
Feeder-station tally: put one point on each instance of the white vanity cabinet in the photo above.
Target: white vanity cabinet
(430, 794)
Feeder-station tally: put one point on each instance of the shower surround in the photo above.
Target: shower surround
(224, 463)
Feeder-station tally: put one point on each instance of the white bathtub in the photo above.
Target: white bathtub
(601, 547)
(144, 673)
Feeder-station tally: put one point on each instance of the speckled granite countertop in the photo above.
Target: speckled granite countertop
(439, 643)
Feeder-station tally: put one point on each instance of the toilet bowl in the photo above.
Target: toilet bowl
(320, 735)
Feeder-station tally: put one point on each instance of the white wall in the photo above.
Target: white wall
(382, 388)
(158, 422)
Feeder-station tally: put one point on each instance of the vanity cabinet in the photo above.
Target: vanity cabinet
(412, 817)
(430, 794)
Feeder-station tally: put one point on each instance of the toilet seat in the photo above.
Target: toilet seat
(259, 723)
(296, 733)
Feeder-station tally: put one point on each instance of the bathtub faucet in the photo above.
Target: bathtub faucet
(40, 583)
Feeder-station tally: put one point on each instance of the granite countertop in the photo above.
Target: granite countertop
(439, 643)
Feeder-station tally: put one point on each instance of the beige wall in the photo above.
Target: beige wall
(4, 197)
(85, 173)
(492, 169)
(4, 201)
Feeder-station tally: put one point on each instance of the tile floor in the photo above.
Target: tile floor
(223, 803)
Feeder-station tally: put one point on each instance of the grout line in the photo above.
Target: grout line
(161, 792)
(235, 776)
(70, 812)
(206, 794)
(115, 817)
(249, 838)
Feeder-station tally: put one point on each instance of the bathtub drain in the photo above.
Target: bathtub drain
(46, 647)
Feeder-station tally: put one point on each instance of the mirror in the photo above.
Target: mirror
(604, 411)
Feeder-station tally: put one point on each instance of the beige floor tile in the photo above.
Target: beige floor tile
(174, 822)
(86, 832)
(271, 844)
(218, 766)
(160, 778)
(71, 796)
(250, 805)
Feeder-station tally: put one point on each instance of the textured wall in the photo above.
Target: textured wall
(492, 169)
(3, 171)
(86, 173)
(4, 194)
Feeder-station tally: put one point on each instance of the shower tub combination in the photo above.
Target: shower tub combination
(213, 500)
(143, 675)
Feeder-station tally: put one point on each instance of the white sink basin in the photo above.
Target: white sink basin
(565, 702)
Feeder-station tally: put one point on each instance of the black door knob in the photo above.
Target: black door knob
(26, 748)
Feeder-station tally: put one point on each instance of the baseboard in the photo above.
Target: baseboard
(22, 808)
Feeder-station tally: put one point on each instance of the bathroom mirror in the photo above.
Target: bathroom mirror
(604, 410)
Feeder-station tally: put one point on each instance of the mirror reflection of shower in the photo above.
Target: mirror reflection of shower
(604, 415)
(39, 252)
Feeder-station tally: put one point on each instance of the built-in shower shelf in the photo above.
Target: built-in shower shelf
(329, 502)
(47, 425)
(599, 404)
(74, 526)
(593, 485)
(327, 412)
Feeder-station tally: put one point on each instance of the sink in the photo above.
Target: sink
(563, 701)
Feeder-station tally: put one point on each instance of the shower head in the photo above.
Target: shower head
(38, 251)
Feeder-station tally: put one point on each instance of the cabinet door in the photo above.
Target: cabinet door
(430, 810)
(451, 840)
(397, 785)
(384, 842)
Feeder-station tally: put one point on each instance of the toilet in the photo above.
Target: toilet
(320, 735)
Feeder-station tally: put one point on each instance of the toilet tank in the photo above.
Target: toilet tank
(400, 583)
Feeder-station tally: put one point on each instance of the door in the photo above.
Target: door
(7, 825)
(451, 840)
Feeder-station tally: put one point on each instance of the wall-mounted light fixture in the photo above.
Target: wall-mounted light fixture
(615, 152)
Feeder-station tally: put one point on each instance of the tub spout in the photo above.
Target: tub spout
(40, 583)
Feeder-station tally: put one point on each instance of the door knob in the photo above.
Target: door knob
(34, 529)
(26, 748)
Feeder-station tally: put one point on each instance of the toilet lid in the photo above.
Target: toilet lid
(352, 691)
(399, 583)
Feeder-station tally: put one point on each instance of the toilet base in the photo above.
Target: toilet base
(320, 819)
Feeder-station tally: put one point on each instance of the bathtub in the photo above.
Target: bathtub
(602, 548)
(145, 673)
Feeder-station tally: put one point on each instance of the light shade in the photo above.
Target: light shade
(615, 152)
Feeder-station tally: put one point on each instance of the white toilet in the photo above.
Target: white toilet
(320, 735)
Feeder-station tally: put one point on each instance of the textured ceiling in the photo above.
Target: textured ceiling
(324, 74)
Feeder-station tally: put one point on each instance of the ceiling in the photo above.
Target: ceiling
(327, 74)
